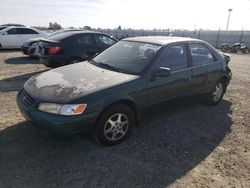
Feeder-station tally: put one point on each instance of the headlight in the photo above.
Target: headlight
(65, 109)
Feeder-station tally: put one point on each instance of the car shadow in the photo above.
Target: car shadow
(22, 60)
(10, 50)
(166, 146)
(15, 83)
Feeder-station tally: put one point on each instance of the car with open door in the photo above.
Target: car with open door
(109, 94)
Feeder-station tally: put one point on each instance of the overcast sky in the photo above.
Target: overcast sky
(136, 14)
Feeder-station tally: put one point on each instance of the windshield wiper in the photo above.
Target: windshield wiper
(105, 65)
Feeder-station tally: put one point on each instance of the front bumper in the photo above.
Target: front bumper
(51, 124)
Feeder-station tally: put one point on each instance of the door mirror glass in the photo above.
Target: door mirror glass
(162, 72)
(4, 33)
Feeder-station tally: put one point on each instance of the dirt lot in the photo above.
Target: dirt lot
(191, 145)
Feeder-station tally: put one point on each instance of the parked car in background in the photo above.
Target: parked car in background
(31, 46)
(110, 93)
(14, 37)
(72, 47)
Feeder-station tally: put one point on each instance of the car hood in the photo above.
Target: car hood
(67, 83)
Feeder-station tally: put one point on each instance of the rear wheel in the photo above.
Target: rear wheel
(215, 96)
(245, 50)
(115, 125)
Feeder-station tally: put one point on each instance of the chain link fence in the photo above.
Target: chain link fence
(215, 38)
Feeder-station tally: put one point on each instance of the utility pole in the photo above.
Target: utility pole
(229, 13)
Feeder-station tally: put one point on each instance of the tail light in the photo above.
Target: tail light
(54, 50)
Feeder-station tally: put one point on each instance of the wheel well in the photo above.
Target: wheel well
(128, 103)
(225, 79)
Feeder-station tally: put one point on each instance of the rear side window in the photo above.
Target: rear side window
(21, 31)
(84, 39)
(102, 40)
(201, 55)
(27, 31)
(174, 58)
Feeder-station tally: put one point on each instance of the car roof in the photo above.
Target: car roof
(159, 40)
(64, 35)
(11, 27)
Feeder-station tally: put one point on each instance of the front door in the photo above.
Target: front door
(177, 83)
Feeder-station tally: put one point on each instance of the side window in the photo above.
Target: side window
(174, 58)
(84, 39)
(201, 55)
(13, 31)
(102, 40)
(27, 31)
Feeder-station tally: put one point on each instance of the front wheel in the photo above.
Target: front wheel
(215, 96)
(115, 125)
(245, 50)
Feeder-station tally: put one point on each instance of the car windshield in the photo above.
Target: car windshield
(126, 56)
(1, 28)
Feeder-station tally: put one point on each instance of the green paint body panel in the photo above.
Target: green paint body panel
(99, 88)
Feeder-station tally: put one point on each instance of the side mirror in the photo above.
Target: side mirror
(162, 72)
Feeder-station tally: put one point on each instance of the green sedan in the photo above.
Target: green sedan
(107, 96)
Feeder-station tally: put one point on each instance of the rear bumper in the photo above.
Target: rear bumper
(56, 124)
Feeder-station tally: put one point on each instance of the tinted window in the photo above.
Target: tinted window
(174, 58)
(102, 40)
(13, 31)
(84, 39)
(27, 31)
(200, 54)
(21, 31)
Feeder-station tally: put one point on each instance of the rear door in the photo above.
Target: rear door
(178, 83)
(26, 34)
(206, 69)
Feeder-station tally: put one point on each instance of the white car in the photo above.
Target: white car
(14, 37)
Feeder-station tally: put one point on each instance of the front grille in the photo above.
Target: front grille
(26, 99)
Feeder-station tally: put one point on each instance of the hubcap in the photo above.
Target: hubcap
(116, 127)
(218, 90)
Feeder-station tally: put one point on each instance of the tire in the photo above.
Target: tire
(245, 51)
(115, 125)
(216, 95)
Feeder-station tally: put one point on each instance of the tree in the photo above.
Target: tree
(87, 27)
(54, 26)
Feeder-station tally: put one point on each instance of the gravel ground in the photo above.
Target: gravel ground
(191, 145)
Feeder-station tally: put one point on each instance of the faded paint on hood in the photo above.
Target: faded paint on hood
(67, 83)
